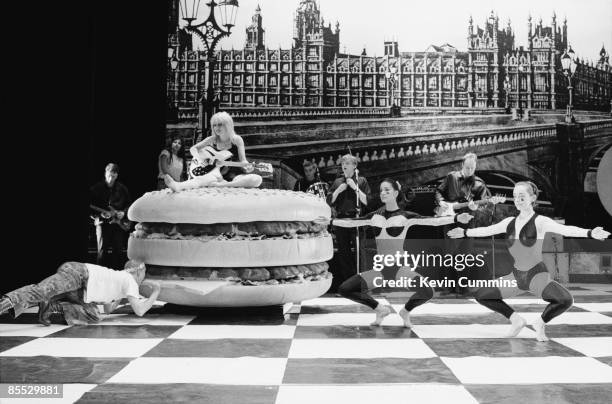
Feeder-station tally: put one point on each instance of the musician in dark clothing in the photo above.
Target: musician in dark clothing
(310, 177)
(458, 187)
(110, 195)
(342, 197)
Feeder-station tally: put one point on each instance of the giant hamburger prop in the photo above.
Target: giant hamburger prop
(224, 247)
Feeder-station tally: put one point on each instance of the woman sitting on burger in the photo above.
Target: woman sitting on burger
(223, 139)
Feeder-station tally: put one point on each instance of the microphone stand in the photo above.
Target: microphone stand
(357, 212)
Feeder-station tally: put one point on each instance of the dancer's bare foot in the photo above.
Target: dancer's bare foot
(539, 326)
(381, 313)
(170, 183)
(405, 315)
(517, 325)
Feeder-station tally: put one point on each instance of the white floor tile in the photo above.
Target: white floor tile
(468, 331)
(29, 330)
(349, 319)
(373, 393)
(553, 369)
(85, 347)
(149, 319)
(444, 308)
(234, 371)
(234, 331)
(572, 317)
(596, 307)
(334, 301)
(71, 393)
(360, 348)
(594, 346)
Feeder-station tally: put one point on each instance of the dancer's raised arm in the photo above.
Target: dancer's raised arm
(439, 221)
(548, 225)
(496, 228)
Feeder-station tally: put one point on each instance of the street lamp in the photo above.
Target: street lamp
(392, 77)
(568, 64)
(507, 90)
(210, 32)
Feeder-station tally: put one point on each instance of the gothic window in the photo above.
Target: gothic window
(297, 81)
(368, 82)
(191, 78)
(273, 67)
(368, 102)
(481, 83)
(313, 80)
(418, 83)
(298, 67)
(355, 82)
(261, 66)
(406, 83)
(433, 83)
(284, 100)
(342, 102)
(191, 66)
(260, 100)
(355, 102)
(313, 52)
(226, 80)
(272, 99)
(249, 67)
(329, 81)
(285, 67)
(540, 83)
(447, 83)
(248, 80)
(238, 66)
(227, 66)
(313, 66)
(237, 98)
(272, 81)
(225, 98)
(237, 80)
(342, 82)
(285, 81)
(382, 102)
(382, 82)
(407, 68)
(261, 80)
(248, 98)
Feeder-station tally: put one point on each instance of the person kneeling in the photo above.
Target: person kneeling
(76, 289)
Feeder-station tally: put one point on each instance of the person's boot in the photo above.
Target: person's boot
(45, 309)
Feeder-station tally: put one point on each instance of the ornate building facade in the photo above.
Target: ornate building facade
(492, 73)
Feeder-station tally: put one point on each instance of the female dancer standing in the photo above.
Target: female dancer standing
(525, 234)
(390, 225)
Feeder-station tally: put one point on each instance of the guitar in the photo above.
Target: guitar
(448, 208)
(212, 159)
(111, 216)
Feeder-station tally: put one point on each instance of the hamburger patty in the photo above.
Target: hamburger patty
(244, 275)
(269, 229)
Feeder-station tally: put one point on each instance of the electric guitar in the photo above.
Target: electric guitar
(448, 208)
(110, 216)
(212, 159)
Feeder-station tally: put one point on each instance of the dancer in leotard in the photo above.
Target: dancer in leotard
(525, 234)
(390, 225)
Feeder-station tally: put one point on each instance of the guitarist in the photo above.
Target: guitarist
(461, 186)
(223, 139)
(108, 194)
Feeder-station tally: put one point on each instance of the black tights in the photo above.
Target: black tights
(356, 289)
(559, 299)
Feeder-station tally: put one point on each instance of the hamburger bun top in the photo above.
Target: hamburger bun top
(227, 205)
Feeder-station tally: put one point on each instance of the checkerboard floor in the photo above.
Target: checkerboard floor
(320, 351)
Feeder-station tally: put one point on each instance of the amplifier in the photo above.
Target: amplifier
(422, 200)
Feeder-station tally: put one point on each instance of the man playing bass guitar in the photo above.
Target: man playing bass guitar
(110, 196)
(461, 187)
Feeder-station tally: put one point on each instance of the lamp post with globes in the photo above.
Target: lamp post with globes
(209, 31)
(172, 112)
(507, 91)
(569, 65)
(392, 77)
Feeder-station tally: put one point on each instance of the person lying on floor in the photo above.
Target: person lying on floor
(76, 289)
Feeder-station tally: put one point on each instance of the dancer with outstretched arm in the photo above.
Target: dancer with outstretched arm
(390, 225)
(525, 235)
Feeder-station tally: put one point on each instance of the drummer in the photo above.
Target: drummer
(311, 174)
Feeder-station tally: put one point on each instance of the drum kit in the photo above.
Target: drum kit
(319, 189)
